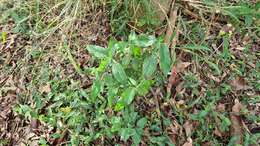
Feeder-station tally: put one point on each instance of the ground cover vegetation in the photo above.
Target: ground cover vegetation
(130, 72)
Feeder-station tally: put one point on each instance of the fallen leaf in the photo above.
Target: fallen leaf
(45, 89)
(179, 88)
(188, 143)
(173, 79)
(240, 48)
(236, 126)
(237, 107)
(207, 144)
(221, 107)
(239, 84)
(170, 28)
(174, 131)
(217, 132)
(181, 102)
(58, 141)
(181, 66)
(188, 127)
(216, 79)
(34, 124)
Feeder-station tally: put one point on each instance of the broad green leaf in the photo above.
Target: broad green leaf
(143, 87)
(128, 95)
(136, 139)
(111, 96)
(142, 40)
(133, 82)
(119, 73)
(103, 64)
(116, 124)
(119, 105)
(165, 60)
(149, 66)
(96, 89)
(225, 123)
(141, 123)
(126, 133)
(145, 41)
(233, 140)
(126, 98)
(97, 51)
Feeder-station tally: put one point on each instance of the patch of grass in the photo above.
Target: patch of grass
(138, 14)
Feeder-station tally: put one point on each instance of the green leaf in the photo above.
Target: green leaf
(143, 87)
(142, 40)
(111, 96)
(214, 67)
(128, 95)
(136, 51)
(149, 66)
(136, 139)
(97, 51)
(126, 98)
(116, 124)
(103, 64)
(119, 73)
(126, 133)
(165, 59)
(197, 47)
(96, 89)
(55, 135)
(141, 123)
(226, 52)
(233, 140)
(225, 123)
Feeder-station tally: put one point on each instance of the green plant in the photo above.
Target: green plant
(132, 64)
(125, 69)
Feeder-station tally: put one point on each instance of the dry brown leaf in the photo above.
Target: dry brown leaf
(239, 84)
(217, 132)
(45, 89)
(216, 79)
(58, 141)
(174, 132)
(181, 66)
(181, 102)
(240, 48)
(237, 107)
(221, 107)
(170, 29)
(236, 126)
(207, 144)
(34, 124)
(180, 89)
(173, 79)
(188, 143)
(188, 127)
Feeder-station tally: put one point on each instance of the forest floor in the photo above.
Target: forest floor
(105, 73)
